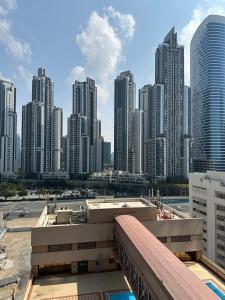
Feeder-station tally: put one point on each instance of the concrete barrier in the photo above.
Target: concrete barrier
(28, 288)
(18, 229)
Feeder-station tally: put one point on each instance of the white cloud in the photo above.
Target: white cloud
(6, 6)
(18, 48)
(123, 22)
(24, 75)
(102, 44)
(4, 78)
(187, 32)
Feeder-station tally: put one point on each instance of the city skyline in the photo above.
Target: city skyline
(25, 46)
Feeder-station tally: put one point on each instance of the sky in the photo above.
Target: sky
(75, 39)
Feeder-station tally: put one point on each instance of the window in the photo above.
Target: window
(199, 189)
(59, 247)
(180, 238)
(111, 260)
(221, 247)
(88, 245)
(162, 239)
(220, 195)
(220, 227)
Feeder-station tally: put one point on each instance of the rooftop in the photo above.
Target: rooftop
(88, 284)
(114, 203)
(88, 211)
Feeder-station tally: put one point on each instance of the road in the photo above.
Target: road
(34, 208)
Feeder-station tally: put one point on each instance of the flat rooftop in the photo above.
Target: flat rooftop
(116, 204)
(98, 283)
(91, 285)
(205, 274)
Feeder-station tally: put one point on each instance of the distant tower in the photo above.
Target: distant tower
(137, 142)
(107, 154)
(208, 94)
(8, 127)
(188, 141)
(32, 145)
(41, 145)
(43, 92)
(124, 103)
(169, 71)
(85, 104)
(79, 145)
(56, 138)
(64, 153)
(144, 105)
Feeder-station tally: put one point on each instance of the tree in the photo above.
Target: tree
(22, 193)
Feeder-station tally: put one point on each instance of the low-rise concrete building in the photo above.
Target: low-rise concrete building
(79, 238)
(115, 176)
(207, 200)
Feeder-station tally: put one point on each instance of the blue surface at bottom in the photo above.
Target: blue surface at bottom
(217, 291)
(122, 296)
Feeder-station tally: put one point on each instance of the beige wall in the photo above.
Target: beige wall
(103, 233)
(108, 214)
(173, 227)
(67, 257)
(74, 233)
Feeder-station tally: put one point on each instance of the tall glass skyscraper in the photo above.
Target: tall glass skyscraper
(208, 94)
(124, 103)
(8, 122)
(169, 71)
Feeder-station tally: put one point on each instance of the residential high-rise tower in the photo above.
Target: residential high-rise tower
(124, 104)
(8, 128)
(169, 71)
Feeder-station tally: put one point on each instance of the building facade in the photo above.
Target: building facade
(188, 140)
(85, 104)
(32, 145)
(107, 154)
(43, 92)
(169, 71)
(8, 128)
(208, 97)
(79, 238)
(56, 139)
(124, 104)
(207, 200)
(41, 145)
(137, 142)
(144, 105)
(85, 130)
(78, 143)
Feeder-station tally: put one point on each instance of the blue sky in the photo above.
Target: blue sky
(74, 39)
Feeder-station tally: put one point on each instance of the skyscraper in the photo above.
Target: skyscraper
(187, 132)
(208, 94)
(137, 141)
(99, 147)
(85, 104)
(8, 127)
(18, 151)
(107, 154)
(144, 105)
(56, 139)
(156, 142)
(124, 103)
(43, 92)
(64, 163)
(169, 71)
(41, 130)
(32, 146)
(77, 125)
